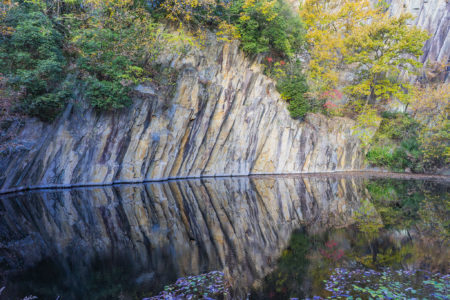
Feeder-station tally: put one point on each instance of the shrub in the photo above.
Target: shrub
(380, 156)
(395, 145)
(292, 89)
(33, 62)
(107, 95)
(116, 49)
(47, 106)
(268, 26)
(291, 84)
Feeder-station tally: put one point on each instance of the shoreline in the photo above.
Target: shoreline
(350, 173)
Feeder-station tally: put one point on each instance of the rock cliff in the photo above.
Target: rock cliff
(225, 118)
(433, 16)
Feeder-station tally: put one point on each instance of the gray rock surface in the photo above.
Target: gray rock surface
(225, 118)
(433, 16)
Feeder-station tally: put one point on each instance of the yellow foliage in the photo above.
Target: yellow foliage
(430, 101)
(181, 11)
(366, 124)
(109, 3)
(353, 35)
(329, 22)
(265, 7)
(5, 6)
(431, 107)
(227, 32)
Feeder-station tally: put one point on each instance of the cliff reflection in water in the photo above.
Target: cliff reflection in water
(128, 241)
(80, 242)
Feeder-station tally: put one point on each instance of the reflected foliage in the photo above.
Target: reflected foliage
(122, 247)
(402, 203)
(397, 249)
(286, 281)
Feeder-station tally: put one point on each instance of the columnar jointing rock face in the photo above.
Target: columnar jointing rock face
(225, 118)
(433, 16)
(238, 225)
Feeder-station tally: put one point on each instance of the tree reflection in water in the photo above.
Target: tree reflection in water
(397, 248)
(272, 237)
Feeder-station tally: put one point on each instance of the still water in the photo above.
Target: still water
(265, 238)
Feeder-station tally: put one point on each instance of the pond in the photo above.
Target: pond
(266, 237)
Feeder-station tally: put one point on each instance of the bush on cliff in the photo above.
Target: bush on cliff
(395, 145)
(269, 27)
(291, 83)
(106, 47)
(115, 51)
(32, 60)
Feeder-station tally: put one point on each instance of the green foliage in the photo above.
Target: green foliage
(292, 87)
(32, 60)
(107, 95)
(110, 49)
(111, 60)
(286, 280)
(395, 145)
(396, 201)
(47, 106)
(269, 27)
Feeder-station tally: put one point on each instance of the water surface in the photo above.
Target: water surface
(272, 237)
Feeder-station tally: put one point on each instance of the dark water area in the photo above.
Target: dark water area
(270, 237)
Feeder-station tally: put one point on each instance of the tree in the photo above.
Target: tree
(109, 58)
(431, 107)
(355, 36)
(380, 51)
(31, 57)
(328, 24)
(269, 26)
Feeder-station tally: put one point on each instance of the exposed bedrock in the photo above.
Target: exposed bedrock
(225, 118)
(433, 16)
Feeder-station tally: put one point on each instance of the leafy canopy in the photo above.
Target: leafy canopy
(110, 59)
(353, 35)
(269, 26)
(32, 60)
